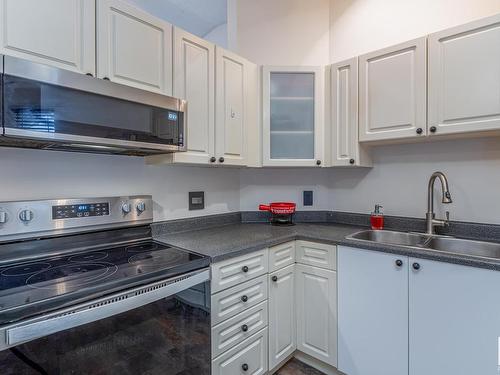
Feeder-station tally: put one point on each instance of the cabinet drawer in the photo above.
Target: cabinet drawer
(281, 256)
(249, 357)
(240, 327)
(317, 254)
(235, 271)
(232, 301)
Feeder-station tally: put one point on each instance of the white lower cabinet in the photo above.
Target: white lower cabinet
(454, 319)
(282, 317)
(249, 357)
(316, 302)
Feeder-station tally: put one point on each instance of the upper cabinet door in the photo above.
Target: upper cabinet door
(346, 150)
(134, 48)
(194, 75)
(293, 117)
(60, 33)
(392, 92)
(464, 78)
(231, 116)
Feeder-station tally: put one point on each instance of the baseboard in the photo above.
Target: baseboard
(318, 365)
(281, 364)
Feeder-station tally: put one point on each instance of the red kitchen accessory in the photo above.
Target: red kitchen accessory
(279, 208)
(282, 212)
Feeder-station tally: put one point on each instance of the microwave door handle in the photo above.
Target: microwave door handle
(100, 309)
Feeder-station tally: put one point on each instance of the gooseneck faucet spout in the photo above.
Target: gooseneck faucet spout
(432, 222)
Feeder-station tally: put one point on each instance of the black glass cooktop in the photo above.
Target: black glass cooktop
(34, 287)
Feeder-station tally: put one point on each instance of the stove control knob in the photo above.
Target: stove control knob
(26, 216)
(3, 217)
(141, 207)
(126, 208)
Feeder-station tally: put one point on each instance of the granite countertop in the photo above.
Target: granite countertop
(231, 240)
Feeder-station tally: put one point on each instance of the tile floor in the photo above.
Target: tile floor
(295, 367)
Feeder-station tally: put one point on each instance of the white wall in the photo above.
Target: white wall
(283, 32)
(360, 26)
(275, 185)
(218, 35)
(33, 174)
(399, 177)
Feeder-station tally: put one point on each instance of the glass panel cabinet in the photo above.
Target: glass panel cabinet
(293, 123)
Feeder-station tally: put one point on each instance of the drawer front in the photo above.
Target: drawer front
(235, 271)
(317, 254)
(249, 357)
(238, 328)
(281, 256)
(231, 302)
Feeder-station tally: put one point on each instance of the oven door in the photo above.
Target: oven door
(54, 105)
(163, 328)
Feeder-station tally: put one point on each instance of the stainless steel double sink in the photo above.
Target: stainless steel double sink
(451, 245)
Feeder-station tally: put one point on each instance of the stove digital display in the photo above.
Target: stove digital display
(79, 210)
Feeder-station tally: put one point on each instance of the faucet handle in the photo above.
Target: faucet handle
(447, 221)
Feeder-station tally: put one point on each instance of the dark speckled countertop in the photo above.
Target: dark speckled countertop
(234, 239)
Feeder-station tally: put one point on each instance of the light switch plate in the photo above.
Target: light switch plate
(196, 200)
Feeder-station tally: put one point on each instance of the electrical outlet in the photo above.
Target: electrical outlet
(196, 200)
(308, 198)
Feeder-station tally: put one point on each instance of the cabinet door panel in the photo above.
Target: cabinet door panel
(317, 313)
(231, 76)
(134, 48)
(454, 319)
(392, 92)
(372, 313)
(60, 33)
(282, 321)
(464, 77)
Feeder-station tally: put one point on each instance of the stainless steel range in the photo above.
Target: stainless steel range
(84, 289)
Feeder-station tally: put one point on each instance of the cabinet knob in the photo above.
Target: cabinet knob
(244, 269)
(244, 298)
(274, 278)
(352, 161)
(244, 367)
(318, 162)
(244, 328)
(221, 160)
(416, 266)
(213, 159)
(399, 262)
(433, 129)
(420, 131)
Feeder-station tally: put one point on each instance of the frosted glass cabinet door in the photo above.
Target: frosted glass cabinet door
(293, 116)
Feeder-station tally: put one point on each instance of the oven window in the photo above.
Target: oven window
(171, 336)
(45, 108)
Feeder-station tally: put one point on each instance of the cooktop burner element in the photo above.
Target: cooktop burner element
(146, 246)
(155, 259)
(25, 269)
(91, 257)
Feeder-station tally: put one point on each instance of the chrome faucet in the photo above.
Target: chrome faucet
(430, 216)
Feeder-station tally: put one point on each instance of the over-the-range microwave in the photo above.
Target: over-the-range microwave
(49, 108)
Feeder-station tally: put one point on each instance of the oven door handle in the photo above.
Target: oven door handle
(100, 309)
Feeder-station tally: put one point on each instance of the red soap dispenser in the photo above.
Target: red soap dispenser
(377, 218)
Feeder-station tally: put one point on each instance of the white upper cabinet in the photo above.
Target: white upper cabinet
(345, 147)
(464, 78)
(454, 319)
(194, 81)
(235, 81)
(293, 117)
(392, 92)
(60, 33)
(133, 47)
(373, 313)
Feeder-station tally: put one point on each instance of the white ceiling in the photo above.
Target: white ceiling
(196, 16)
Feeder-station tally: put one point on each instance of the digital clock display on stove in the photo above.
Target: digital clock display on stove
(80, 210)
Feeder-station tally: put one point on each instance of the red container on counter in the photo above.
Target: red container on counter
(377, 218)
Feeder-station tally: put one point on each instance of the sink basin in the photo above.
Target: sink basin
(391, 237)
(466, 247)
